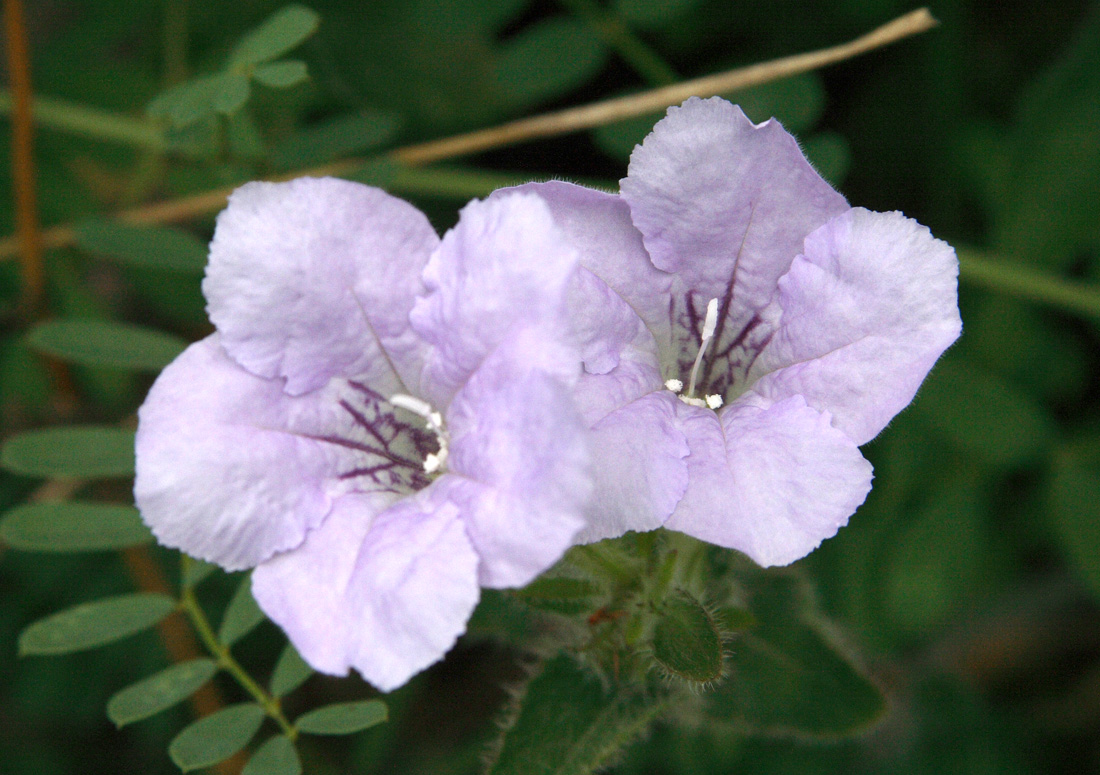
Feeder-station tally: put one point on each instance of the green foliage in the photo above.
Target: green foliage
(341, 136)
(94, 624)
(687, 643)
(156, 247)
(242, 616)
(158, 692)
(291, 671)
(789, 674)
(343, 718)
(561, 594)
(1074, 497)
(105, 343)
(73, 527)
(216, 737)
(277, 756)
(548, 60)
(282, 75)
(567, 722)
(82, 451)
(191, 102)
(283, 31)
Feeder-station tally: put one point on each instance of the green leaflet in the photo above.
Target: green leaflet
(156, 247)
(242, 615)
(343, 718)
(291, 671)
(216, 737)
(94, 624)
(73, 527)
(159, 691)
(106, 343)
(85, 451)
(277, 756)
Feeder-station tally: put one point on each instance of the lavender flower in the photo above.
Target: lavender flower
(381, 423)
(743, 331)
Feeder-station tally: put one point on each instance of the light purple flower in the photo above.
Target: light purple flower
(382, 422)
(817, 322)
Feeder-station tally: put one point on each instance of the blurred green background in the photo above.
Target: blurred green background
(968, 583)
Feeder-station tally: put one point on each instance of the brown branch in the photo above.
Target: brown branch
(29, 242)
(547, 125)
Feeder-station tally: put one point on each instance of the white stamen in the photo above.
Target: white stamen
(674, 385)
(710, 322)
(433, 461)
(714, 400)
(693, 401)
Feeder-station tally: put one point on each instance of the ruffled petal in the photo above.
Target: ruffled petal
(504, 267)
(770, 481)
(598, 225)
(724, 205)
(388, 597)
(314, 279)
(519, 461)
(861, 318)
(229, 468)
(639, 467)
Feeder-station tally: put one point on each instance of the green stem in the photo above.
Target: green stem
(620, 37)
(224, 657)
(89, 122)
(1068, 295)
(602, 561)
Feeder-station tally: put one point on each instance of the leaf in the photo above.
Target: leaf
(196, 570)
(984, 414)
(242, 615)
(277, 756)
(337, 137)
(106, 343)
(342, 718)
(291, 671)
(797, 101)
(788, 675)
(157, 247)
(567, 723)
(547, 60)
(936, 561)
(216, 737)
(1073, 492)
(201, 98)
(159, 691)
(686, 642)
(282, 75)
(829, 154)
(619, 138)
(86, 451)
(650, 15)
(560, 594)
(94, 624)
(73, 527)
(279, 33)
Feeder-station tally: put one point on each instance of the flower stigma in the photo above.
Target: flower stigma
(713, 401)
(433, 461)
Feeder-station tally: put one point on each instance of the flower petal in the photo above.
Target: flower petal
(725, 205)
(314, 279)
(769, 481)
(388, 597)
(598, 225)
(228, 466)
(861, 318)
(519, 462)
(639, 467)
(505, 266)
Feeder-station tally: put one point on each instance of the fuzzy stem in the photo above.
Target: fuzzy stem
(645, 61)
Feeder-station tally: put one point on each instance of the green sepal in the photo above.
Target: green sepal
(342, 718)
(687, 643)
(159, 691)
(216, 737)
(73, 527)
(94, 624)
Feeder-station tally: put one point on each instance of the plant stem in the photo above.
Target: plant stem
(996, 275)
(645, 61)
(190, 605)
(92, 123)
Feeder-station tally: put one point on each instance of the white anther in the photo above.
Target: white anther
(433, 462)
(714, 400)
(674, 385)
(413, 404)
